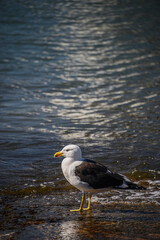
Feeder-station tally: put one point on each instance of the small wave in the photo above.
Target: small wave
(148, 196)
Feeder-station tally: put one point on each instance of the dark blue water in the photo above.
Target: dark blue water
(82, 72)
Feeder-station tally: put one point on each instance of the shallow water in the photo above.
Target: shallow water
(83, 72)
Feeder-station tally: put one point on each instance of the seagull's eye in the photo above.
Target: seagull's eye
(67, 150)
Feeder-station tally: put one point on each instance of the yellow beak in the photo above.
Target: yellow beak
(58, 154)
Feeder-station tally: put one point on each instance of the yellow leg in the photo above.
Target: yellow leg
(89, 203)
(81, 206)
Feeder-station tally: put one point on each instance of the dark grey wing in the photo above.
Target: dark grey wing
(97, 175)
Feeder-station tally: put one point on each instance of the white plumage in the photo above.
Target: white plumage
(90, 176)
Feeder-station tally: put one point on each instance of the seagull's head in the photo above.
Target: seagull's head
(70, 151)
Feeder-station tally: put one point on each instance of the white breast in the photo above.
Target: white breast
(68, 168)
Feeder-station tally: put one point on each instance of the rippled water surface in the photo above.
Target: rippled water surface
(88, 73)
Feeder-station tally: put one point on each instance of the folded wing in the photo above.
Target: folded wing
(99, 176)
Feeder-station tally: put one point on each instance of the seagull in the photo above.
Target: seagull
(90, 176)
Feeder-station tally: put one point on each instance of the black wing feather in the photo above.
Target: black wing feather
(99, 176)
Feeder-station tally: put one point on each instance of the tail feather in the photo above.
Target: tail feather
(127, 184)
(134, 186)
